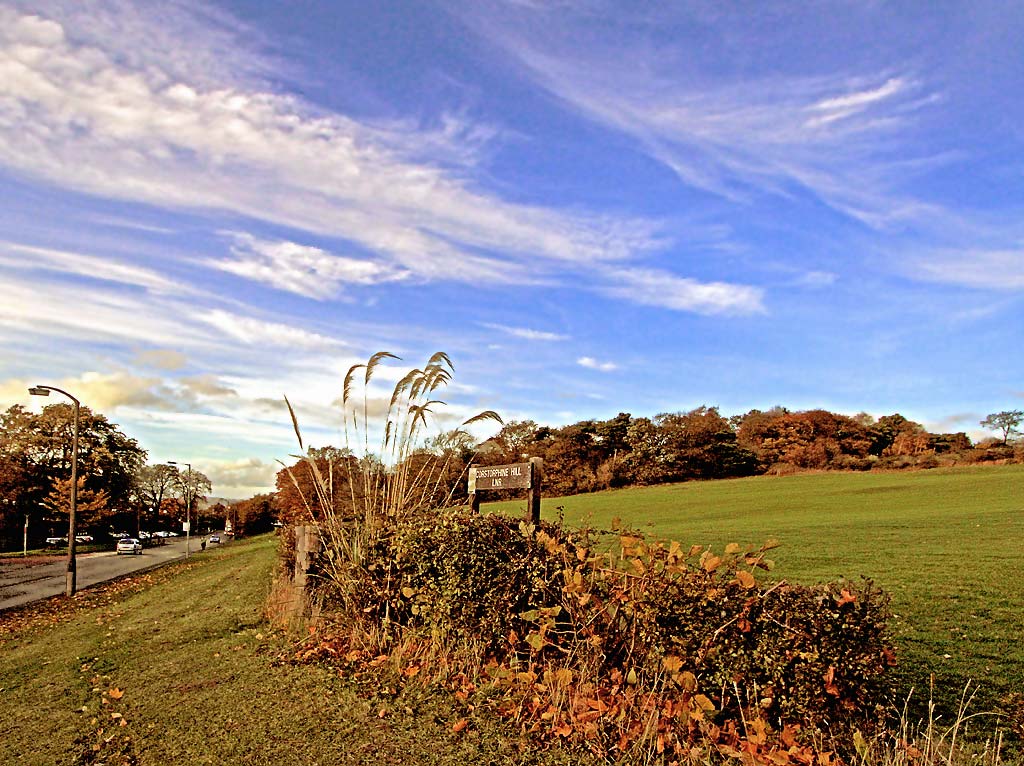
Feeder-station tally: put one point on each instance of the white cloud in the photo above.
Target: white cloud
(832, 135)
(240, 478)
(121, 112)
(302, 269)
(526, 333)
(27, 257)
(652, 287)
(592, 364)
(257, 332)
(84, 115)
(985, 269)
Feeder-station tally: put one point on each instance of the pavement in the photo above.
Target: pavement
(24, 581)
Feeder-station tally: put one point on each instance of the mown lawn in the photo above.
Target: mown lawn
(947, 544)
(194, 674)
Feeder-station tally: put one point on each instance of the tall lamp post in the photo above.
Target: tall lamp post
(72, 574)
(188, 503)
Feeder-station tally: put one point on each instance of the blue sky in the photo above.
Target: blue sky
(593, 207)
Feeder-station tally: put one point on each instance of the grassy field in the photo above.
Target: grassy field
(184, 671)
(948, 545)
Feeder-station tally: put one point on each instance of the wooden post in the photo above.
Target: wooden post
(533, 492)
(307, 547)
(474, 502)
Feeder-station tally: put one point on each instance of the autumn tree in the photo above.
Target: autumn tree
(297, 499)
(191, 486)
(253, 516)
(1006, 421)
(91, 508)
(35, 453)
(152, 483)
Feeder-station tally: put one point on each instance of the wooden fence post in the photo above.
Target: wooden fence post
(307, 548)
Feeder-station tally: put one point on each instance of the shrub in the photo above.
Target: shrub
(636, 645)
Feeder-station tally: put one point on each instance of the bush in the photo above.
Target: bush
(642, 644)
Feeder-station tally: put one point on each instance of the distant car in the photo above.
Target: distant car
(142, 535)
(162, 533)
(214, 538)
(128, 545)
(83, 538)
(56, 540)
(119, 535)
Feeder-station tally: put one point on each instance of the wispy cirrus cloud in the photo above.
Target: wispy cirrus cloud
(124, 115)
(24, 257)
(527, 333)
(301, 269)
(1001, 270)
(150, 131)
(653, 287)
(834, 136)
(261, 333)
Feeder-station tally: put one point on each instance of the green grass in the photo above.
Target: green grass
(946, 544)
(201, 683)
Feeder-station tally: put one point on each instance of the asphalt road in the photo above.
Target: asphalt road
(22, 582)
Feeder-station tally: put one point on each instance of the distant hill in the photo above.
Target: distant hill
(214, 500)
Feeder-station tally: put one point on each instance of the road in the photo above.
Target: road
(22, 582)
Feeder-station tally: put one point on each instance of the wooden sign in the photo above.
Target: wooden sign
(512, 476)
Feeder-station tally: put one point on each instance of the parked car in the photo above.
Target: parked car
(214, 538)
(119, 535)
(128, 545)
(143, 535)
(83, 538)
(56, 540)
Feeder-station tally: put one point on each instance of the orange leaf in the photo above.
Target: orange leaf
(845, 597)
(115, 693)
(461, 724)
(746, 579)
(711, 563)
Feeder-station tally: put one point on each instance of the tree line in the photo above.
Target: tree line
(117, 489)
(625, 450)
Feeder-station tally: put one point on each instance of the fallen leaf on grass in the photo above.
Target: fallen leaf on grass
(461, 724)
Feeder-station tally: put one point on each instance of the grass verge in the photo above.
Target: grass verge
(177, 667)
(945, 544)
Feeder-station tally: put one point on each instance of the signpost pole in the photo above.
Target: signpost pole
(474, 496)
(533, 491)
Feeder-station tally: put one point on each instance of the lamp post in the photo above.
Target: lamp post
(188, 503)
(72, 573)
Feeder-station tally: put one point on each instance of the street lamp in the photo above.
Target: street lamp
(72, 574)
(188, 502)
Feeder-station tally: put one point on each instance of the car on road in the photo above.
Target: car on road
(83, 538)
(128, 545)
(56, 540)
(214, 538)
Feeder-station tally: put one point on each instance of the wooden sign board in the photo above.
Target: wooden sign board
(512, 476)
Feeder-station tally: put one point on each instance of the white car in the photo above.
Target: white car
(128, 545)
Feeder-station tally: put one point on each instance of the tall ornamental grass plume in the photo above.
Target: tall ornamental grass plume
(405, 474)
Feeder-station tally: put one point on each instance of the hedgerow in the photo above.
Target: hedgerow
(628, 645)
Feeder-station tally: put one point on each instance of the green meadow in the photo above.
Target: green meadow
(946, 544)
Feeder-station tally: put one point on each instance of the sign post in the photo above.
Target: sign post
(512, 476)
